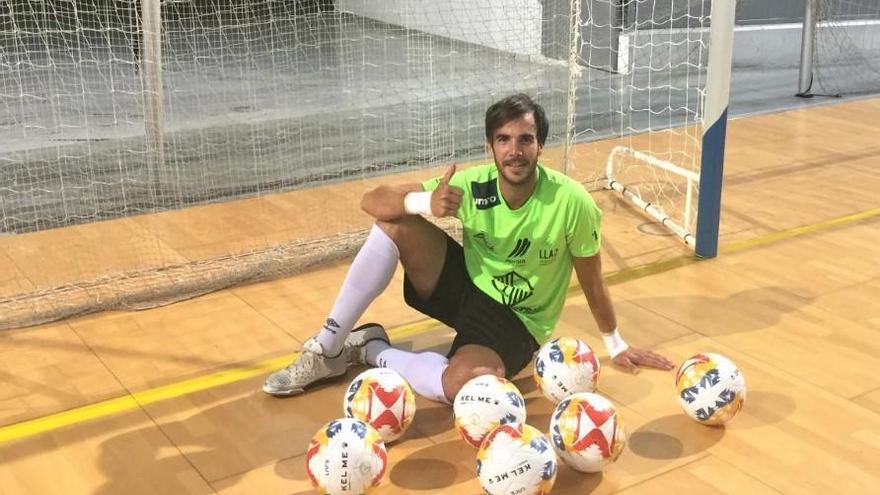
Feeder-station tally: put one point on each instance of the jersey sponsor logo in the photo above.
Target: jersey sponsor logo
(513, 287)
(521, 248)
(485, 194)
(547, 254)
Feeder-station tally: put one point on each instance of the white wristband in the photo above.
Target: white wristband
(614, 343)
(417, 203)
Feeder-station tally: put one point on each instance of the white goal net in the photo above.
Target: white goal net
(273, 116)
(846, 51)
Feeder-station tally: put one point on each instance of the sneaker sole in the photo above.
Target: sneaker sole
(298, 391)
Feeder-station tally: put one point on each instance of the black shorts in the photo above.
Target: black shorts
(476, 317)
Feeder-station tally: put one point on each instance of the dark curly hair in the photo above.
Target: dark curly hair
(512, 108)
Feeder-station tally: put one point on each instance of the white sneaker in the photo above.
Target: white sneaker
(312, 366)
(355, 347)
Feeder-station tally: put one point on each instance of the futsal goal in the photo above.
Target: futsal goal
(137, 132)
(840, 49)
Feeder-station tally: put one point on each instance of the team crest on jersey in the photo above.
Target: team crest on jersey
(485, 194)
(513, 287)
(483, 238)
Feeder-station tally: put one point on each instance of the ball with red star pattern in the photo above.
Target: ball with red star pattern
(383, 399)
(587, 432)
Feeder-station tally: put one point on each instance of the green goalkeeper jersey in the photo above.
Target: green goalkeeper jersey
(523, 258)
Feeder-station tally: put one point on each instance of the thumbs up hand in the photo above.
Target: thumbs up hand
(446, 199)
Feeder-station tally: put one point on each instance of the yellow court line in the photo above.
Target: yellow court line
(66, 418)
(137, 399)
(799, 231)
(134, 400)
(414, 328)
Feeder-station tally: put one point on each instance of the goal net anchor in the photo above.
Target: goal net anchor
(654, 210)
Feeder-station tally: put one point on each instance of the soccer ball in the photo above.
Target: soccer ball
(346, 456)
(587, 432)
(565, 366)
(485, 402)
(711, 389)
(516, 459)
(383, 399)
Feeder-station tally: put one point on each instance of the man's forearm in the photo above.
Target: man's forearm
(589, 274)
(386, 203)
(601, 306)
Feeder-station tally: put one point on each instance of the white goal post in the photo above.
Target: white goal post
(696, 224)
(840, 48)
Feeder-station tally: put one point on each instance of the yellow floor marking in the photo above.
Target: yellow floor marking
(138, 399)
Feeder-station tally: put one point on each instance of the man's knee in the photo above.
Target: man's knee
(457, 374)
(391, 229)
(422, 248)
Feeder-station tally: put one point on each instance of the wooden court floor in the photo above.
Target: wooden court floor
(167, 400)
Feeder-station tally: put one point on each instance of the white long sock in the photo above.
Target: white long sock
(423, 370)
(369, 275)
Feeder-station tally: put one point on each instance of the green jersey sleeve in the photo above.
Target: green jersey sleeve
(584, 224)
(431, 184)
